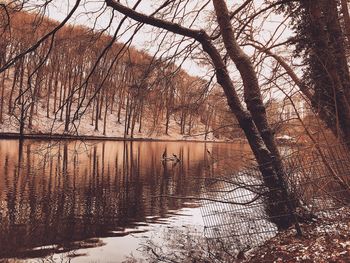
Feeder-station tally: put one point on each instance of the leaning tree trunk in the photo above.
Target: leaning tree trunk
(255, 105)
(277, 200)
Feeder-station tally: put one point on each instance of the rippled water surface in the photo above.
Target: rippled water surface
(99, 201)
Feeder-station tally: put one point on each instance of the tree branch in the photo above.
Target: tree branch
(41, 40)
(175, 28)
(287, 68)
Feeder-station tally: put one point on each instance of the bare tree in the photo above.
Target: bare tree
(254, 121)
(217, 48)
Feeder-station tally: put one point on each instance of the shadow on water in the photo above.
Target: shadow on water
(57, 197)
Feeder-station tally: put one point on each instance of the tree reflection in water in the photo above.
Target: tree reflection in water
(57, 197)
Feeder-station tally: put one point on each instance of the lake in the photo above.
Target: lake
(90, 201)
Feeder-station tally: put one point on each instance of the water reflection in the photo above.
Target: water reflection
(55, 194)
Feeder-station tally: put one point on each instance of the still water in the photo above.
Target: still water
(99, 201)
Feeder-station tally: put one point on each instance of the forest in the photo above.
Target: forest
(175, 131)
(68, 92)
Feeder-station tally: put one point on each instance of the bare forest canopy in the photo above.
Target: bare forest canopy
(79, 76)
(82, 81)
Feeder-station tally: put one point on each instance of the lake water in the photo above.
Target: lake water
(101, 201)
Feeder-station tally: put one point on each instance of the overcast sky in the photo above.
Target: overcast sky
(92, 13)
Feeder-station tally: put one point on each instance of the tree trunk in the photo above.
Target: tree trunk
(126, 129)
(55, 93)
(33, 102)
(105, 117)
(2, 96)
(62, 97)
(274, 176)
(101, 106)
(346, 17)
(49, 89)
(97, 114)
(23, 113)
(18, 70)
(167, 120)
(328, 67)
(141, 116)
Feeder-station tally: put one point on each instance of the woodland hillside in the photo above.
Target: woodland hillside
(268, 79)
(63, 87)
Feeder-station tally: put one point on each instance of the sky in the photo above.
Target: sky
(94, 14)
(91, 15)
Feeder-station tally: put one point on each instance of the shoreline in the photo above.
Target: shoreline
(54, 137)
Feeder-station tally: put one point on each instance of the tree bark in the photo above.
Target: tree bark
(328, 66)
(2, 76)
(18, 70)
(346, 17)
(252, 92)
(276, 206)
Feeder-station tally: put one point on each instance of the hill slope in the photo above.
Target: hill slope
(83, 82)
